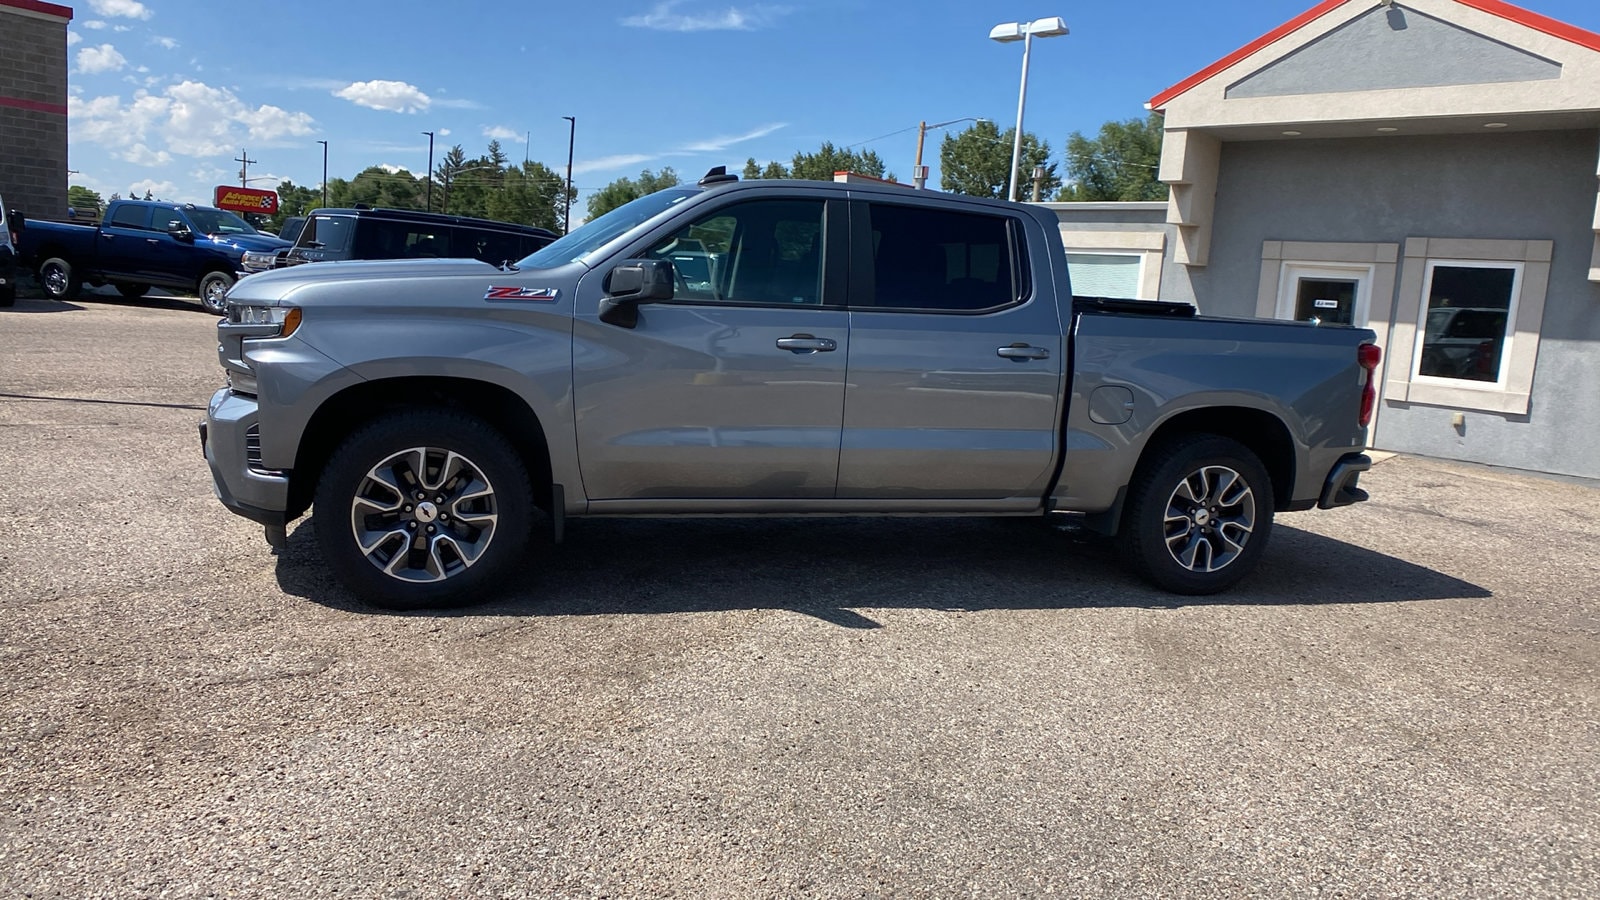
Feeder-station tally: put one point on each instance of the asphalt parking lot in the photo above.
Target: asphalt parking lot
(1405, 701)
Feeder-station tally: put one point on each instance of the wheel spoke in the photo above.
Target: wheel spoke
(429, 538)
(1209, 518)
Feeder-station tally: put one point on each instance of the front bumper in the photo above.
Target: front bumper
(1340, 487)
(258, 494)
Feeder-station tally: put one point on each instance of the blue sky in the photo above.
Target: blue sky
(165, 94)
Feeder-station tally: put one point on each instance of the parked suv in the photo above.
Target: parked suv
(343, 234)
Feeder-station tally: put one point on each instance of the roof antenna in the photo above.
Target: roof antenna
(717, 175)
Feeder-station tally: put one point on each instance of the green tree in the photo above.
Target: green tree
(80, 197)
(293, 200)
(751, 170)
(1121, 164)
(977, 162)
(624, 190)
(828, 159)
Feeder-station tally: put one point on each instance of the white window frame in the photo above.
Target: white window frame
(1508, 344)
(1294, 269)
(1512, 394)
(1148, 244)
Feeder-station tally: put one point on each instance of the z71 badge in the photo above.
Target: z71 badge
(546, 295)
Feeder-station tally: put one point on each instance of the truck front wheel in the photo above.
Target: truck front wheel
(1198, 516)
(213, 291)
(424, 509)
(58, 279)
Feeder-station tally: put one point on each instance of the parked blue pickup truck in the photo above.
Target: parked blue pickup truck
(144, 244)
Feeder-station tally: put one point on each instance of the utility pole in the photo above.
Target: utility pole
(324, 172)
(1038, 176)
(430, 169)
(572, 133)
(244, 161)
(919, 176)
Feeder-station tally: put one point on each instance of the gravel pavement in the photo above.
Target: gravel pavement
(1404, 701)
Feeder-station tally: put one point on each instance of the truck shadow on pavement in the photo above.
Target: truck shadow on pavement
(830, 568)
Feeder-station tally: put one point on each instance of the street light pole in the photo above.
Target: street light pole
(324, 172)
(430, 170)
(1024, 31)
(919, 176)
(572, 133)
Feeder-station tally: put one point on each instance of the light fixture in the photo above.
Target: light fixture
(1494, 124)
(1006, 33)
(1387, 129)
(1291, 134)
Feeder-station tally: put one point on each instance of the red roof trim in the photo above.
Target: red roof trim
(49, 9)
(1533, 20)
(33, 105)
(1517, 14)
(1295, 24)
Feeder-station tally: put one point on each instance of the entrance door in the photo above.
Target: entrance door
(1333, 294)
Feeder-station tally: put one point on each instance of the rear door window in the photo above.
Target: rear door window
(381, 239)
(490, 246)
(129, 216)
(936, 259)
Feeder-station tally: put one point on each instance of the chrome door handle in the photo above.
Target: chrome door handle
(1022, 352)
(807, 343)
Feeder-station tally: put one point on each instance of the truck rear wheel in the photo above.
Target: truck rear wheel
(424, 509)
(1198, 516)
(58, 279)
(213, 291)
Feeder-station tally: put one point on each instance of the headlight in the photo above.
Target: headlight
(258, 260)
(264, 321)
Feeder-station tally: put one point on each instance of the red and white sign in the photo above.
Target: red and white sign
(246, 200)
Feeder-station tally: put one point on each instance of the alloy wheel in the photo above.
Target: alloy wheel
(1209, 519)
(424, 514)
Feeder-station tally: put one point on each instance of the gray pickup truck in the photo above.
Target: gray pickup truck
(767, 348)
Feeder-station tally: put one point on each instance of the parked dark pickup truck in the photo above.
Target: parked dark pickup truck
(143, 244)
(821, 349)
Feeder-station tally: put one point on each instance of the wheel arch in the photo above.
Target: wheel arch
(1263, 433)
(358, 404)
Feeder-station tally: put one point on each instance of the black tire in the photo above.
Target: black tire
(133, 291)
(1190, 547)
(59, 280)
(213, 291)
(493, 530)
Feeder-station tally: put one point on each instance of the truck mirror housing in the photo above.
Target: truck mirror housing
(179, 230)
(631, 283)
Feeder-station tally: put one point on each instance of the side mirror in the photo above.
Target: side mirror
(180, 231)
(631, 283)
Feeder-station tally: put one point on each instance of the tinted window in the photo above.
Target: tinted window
(937, 259)
(329, 233)
(380, 239)
(762, 251)
(219, 221)
(491, 246)
(1469, 308)
(128, 216)
(595, 233)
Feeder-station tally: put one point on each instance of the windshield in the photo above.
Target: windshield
(217, 221)
(330, 233)
(595, 233)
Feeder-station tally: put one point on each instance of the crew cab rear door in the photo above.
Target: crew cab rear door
(956, 355)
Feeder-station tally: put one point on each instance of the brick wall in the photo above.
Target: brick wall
(33, 109)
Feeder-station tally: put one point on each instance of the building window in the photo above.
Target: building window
(1467, 316)
(1466, 325)
(1105, 274)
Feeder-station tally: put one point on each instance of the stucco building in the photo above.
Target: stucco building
(33, 106)
(1427, 169)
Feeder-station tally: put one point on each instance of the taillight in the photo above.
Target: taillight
(1369, 356)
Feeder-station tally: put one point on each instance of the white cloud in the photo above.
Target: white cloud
(501, 133)
(161, 190)
(391, 96)
(74, 38)
(168, 43)
(127, 9)
(713, 145)
(185, 119)
(664, 16)
(443, 132)
(94, 24)
(393, 169)
(611, 162)
(104, 58)
(139, 154)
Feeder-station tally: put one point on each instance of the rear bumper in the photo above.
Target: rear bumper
(1340, 487)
